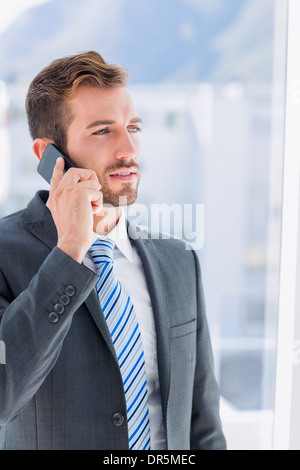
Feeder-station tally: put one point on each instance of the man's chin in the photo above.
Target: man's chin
(119, 200)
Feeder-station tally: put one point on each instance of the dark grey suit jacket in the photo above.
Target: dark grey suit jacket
(61, 386)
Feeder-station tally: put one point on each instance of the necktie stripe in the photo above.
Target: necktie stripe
(103, 279)
(123, 325)
(109, 298)
(133, 345)
(140, 424)
(128, 322)
(102, 258)
(128, 342)
(140, 437)
(136, 398)
(134, 390)
(135, 423)
(126, 336)
(99, 246)
(135, 433)
(143, 408)
(125, 369)
(115, 300)
(123, 311)
(147, 444)
(133, 369)
(119, 313)
(140, 409)
(128, 376)
(105, 297)
(120, 309)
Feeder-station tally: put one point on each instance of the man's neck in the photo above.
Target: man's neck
(106, 220)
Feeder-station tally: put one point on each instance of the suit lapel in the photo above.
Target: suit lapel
(158, 295)
(93, 305)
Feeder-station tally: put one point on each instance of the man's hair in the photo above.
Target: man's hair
(47, 108)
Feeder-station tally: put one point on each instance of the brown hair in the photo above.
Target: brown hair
(47, 109)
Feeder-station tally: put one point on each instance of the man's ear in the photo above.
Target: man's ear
(39, 146)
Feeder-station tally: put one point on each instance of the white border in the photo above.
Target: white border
(289, 242)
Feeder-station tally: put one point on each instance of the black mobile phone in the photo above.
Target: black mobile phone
(47, 162)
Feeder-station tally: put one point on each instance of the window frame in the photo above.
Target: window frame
(286, 434)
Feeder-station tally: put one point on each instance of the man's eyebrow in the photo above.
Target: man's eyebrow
(135, 120)
(108, 122)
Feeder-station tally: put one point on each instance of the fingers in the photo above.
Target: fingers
(91, 193)
(75, 197)
(72, 176)
(58, 174)
(75, 186)
(76, 175)
(97, 202)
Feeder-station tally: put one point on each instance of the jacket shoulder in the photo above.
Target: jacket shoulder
(12, 222)
(34, 212)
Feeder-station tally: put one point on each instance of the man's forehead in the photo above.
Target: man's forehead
(101, 104)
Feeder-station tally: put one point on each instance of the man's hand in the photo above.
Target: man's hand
(74, 199)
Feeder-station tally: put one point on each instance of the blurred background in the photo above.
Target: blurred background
(208, 78)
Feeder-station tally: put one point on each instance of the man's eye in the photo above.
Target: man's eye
(135, 129)
(101, 132)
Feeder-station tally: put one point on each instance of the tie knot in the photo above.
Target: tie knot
(102, 252)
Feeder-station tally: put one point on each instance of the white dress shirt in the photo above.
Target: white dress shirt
(130, 273)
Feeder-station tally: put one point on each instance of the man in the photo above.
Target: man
(64, 385)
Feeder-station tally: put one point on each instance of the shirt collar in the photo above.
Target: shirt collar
(119, 236)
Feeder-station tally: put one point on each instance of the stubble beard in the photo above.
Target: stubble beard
(125, 197)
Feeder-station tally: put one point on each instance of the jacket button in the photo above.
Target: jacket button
(118, 419)
(64, 299)
(70, 291)
(53, 317)
(59, 308)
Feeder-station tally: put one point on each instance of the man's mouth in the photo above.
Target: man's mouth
(124, 174)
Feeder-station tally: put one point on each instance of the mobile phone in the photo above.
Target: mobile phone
(48, 161)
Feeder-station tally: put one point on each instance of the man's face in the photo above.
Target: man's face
(104, 136)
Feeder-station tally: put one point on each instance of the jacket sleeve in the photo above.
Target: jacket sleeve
(33, 327)
(206, 428)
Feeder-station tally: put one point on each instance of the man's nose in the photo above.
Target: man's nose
(126, 147)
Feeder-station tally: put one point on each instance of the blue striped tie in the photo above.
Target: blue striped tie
(120, 316)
